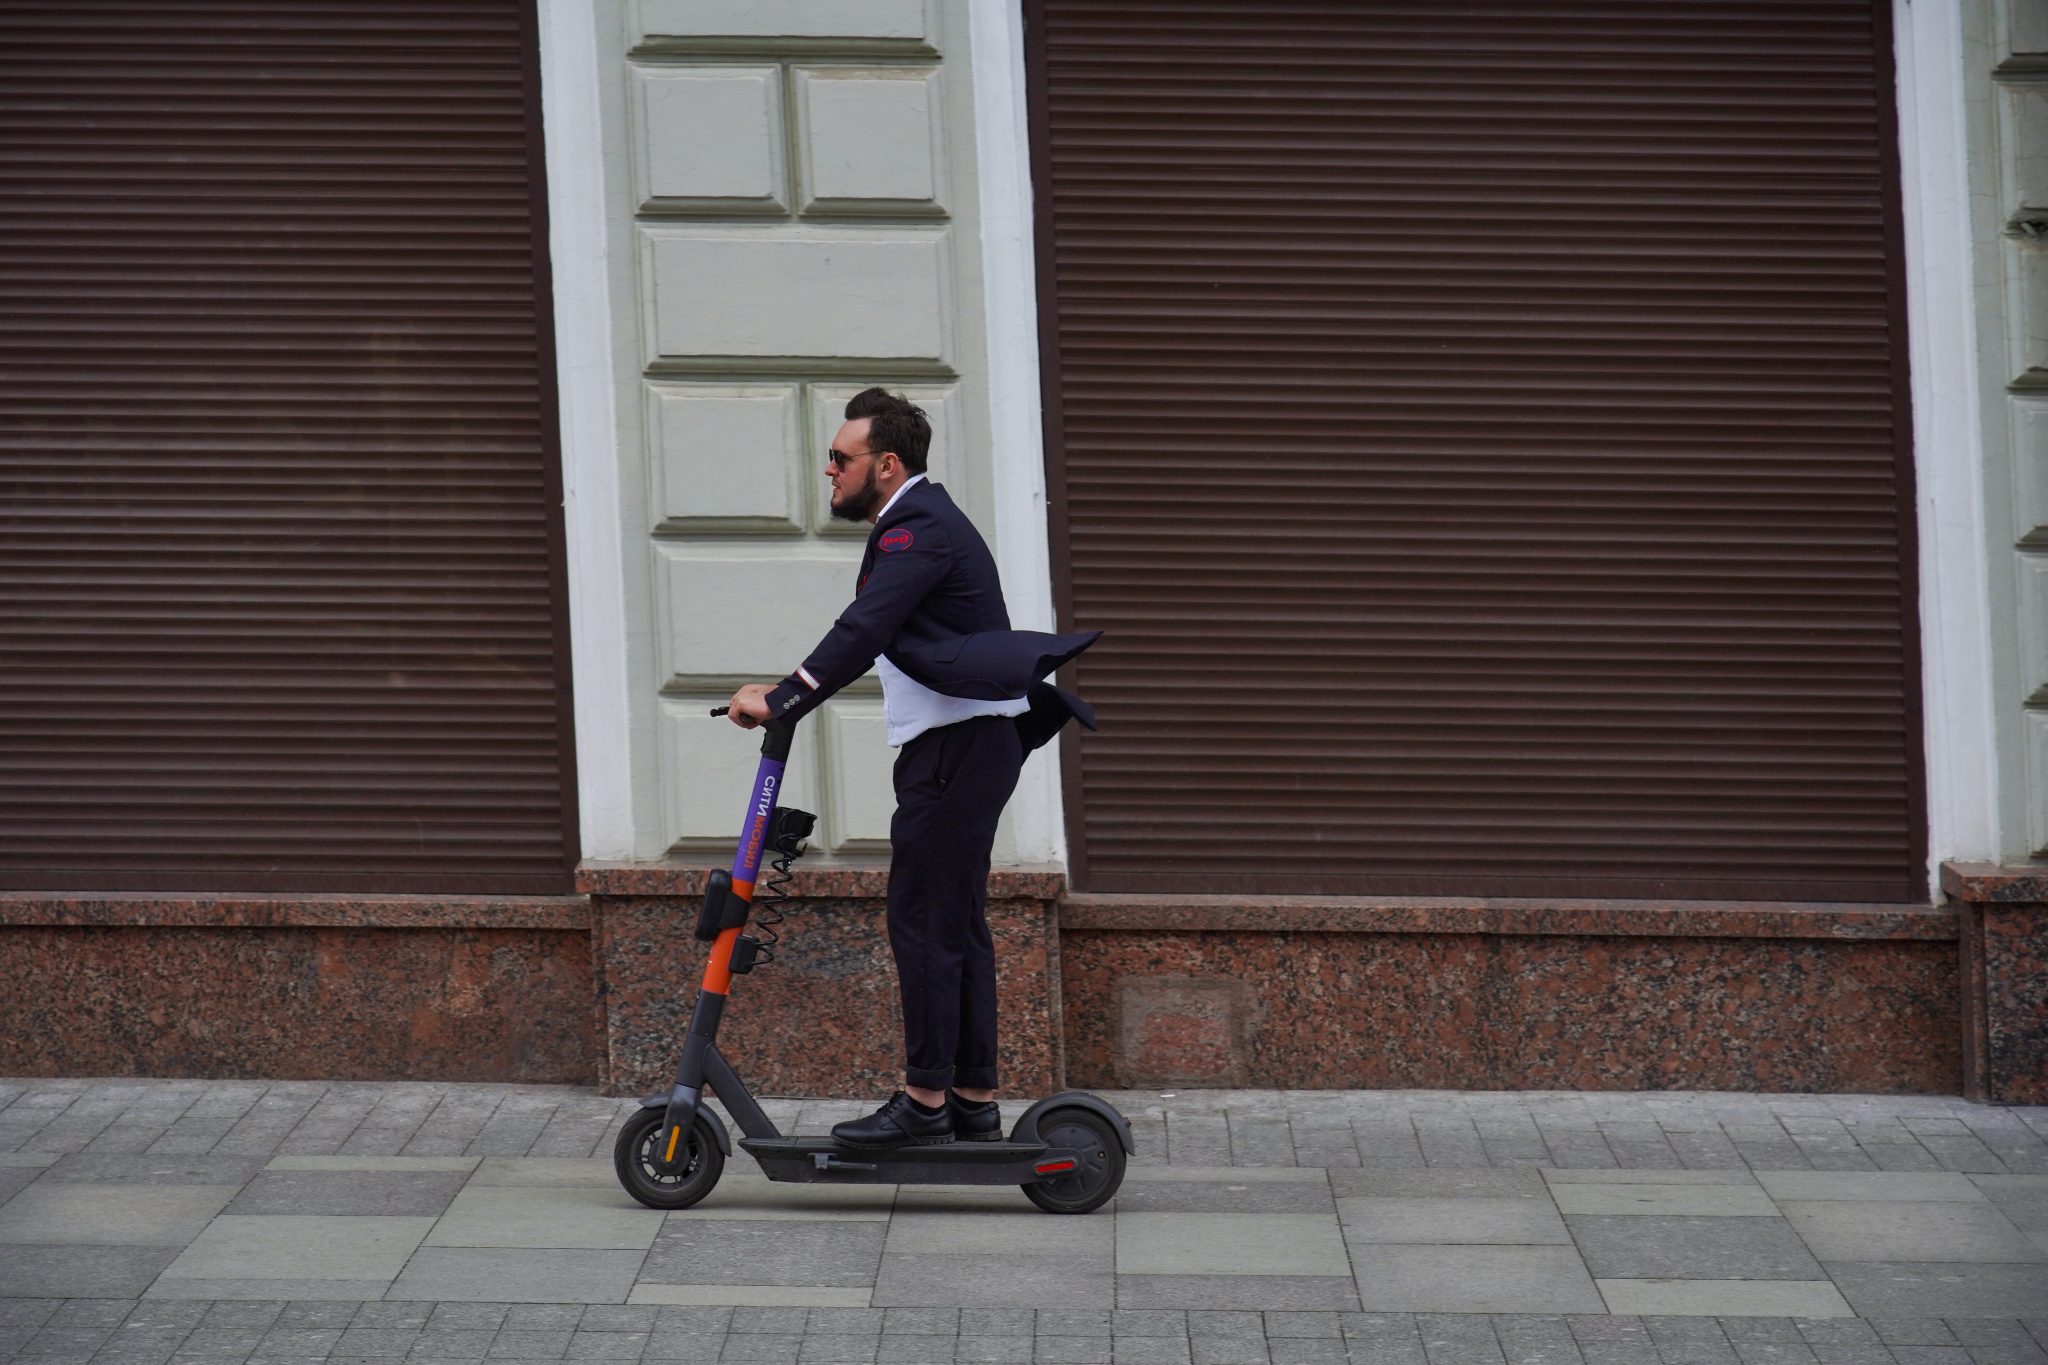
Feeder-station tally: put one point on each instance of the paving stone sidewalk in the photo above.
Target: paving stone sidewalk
(215, 1223)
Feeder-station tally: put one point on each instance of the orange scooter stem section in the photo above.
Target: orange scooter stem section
(718, 971)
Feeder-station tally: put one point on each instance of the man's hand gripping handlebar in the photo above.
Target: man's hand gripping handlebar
(748, 707)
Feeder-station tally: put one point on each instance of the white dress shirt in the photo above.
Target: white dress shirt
(909, 708)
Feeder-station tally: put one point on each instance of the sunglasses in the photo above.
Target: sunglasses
(836, 460)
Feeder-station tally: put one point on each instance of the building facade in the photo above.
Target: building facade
(1567, 496)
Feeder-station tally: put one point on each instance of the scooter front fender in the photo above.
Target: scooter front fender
(661, 1101)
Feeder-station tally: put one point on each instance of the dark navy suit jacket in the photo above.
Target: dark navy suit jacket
(928, 598)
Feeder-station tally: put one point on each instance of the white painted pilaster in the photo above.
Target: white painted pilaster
(1009, 275)
(1948, 442)
(590, 459)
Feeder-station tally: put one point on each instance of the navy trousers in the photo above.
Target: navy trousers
(951, 786)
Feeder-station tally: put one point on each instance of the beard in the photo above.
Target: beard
(858, 504)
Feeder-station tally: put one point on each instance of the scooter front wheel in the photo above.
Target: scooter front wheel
(634, 1158)
(1094, 1182)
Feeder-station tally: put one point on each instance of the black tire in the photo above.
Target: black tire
(633, 1158)
(1102, 1162)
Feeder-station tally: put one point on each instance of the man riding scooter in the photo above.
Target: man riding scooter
(964, 701)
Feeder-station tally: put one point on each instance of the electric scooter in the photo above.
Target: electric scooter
(1067, 1152)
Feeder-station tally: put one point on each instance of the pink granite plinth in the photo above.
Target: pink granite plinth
(2004, 914)
(823, 1018)
(331, 988)
(1508, 995)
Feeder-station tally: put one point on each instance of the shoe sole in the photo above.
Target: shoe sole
(891, 1146)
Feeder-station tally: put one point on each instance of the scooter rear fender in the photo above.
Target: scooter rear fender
(1027, 1126)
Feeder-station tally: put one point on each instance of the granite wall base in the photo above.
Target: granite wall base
(823, 1018)
(1508, 996)
(2004, 917)
(319, 988)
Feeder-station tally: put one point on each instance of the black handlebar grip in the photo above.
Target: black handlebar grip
(722, 711)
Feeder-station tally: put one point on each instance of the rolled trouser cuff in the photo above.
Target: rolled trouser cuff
(929, 1078)
(974, 1077)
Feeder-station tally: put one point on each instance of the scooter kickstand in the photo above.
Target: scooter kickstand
(828, 1161)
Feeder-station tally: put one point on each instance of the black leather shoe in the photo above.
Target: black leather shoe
(896, 1124)
(975, 1122)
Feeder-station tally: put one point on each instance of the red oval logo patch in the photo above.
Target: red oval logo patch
(898, 539)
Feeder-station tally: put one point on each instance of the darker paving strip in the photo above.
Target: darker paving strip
(85, 1272)
(350, 1193)
(1222, 1196)
(154, 1168)
(1651, 1247)
(1942, 1289)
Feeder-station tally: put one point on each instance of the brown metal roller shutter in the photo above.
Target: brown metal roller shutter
(1481, 430)
(280, 549)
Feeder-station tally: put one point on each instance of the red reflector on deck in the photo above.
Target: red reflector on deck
(1055, 1167)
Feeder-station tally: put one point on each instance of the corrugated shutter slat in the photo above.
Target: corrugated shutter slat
(280, 549)
(1480, 430)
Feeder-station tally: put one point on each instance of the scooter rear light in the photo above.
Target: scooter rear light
(1055, 1167)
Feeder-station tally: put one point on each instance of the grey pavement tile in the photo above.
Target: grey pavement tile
(1306, 1351)
(546, 1216)
(293, 1247)
(765, 1253)
(1815, 1186)
(27, 1312)
(1259, 1140)
(110, 1215)
(1387, 1353)
(1535, 1339)
(455, 1343)
(1732, 1179)
(982, 1322)
(1386, 1143)
(14, 1179)
(1459, 1339)
(1905, 1331)
(1638, 1199)
(1903, 1157)
(477, 1317)
(854, 1322)
(990, 1282)
(763, 1348)
(1020, 1232)
(986, 1350)
(1941, 1289)
(1930, 1355)
(1841, 1230)
(99, 1168)
(619, 1318)
(1141, 1322)
(1072, 1350)
(1197, 1140)
(1219, 1196)
(1075, 1322)
(1686, 1248)
(91, 1313)
(537, 1343)
(543, 1317)
(1312, 1322)
(1991, 1331)
(1474, 1279)
(1441, 1183)
(356, 1193)
(1229, 1350)
(761, 1318)
(241, 1314)
(1270, 1292)
(1225, 1322)
(512, 1275)
(864, 1350)
(1451, 1221)
(1962, 1152)
(107, 1272)
(1724, 1298)
(548, 1170)
(1775, 1353)
(1219, 1244)
(377, 1341)
(319, 1314)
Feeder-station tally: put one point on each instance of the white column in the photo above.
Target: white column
(1948, 443)
(590, 459)
(1009, 274)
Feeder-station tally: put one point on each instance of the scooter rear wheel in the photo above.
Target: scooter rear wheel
(633, 1157)
(1102, 1162)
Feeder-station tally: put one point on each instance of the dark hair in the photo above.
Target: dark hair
(894, 423)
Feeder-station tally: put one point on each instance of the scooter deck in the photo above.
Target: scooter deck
(822, 1160)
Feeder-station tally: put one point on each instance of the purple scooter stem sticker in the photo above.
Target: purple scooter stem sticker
(746, 860)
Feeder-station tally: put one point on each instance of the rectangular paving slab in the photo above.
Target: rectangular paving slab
(1870, 1185)
(1449, 1222)
(1726, 1299)
(1473, 1279)
(294, 1247)
(547, 1216)
(54, 1212)
(1631, 1199)
(1943, 1289)
(507, 1275)
(1276, 1294)
(1682, 1248)
(1842, 1230)
(708, 1251)
(416, 1194)
(80, 1272)
(919, 1280)
(1229, 1244)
